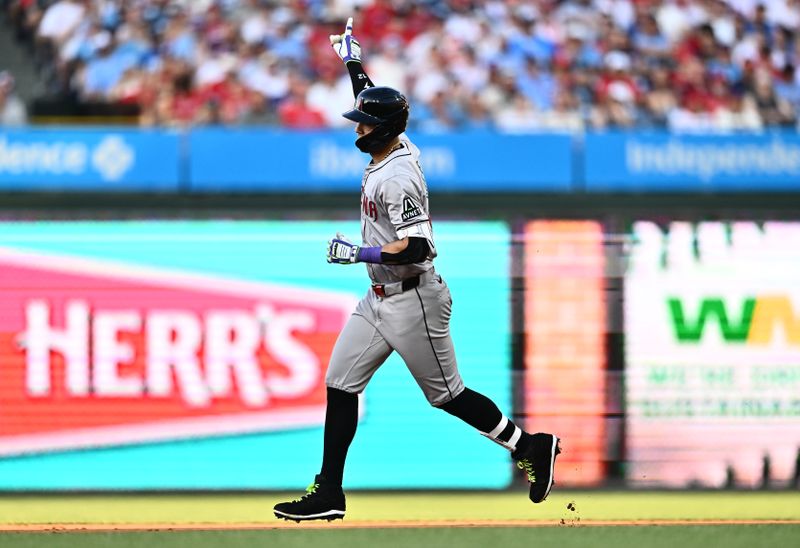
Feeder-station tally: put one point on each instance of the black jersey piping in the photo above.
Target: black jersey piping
(406, 225)
(427, 331)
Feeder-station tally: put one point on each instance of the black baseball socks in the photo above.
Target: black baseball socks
(341, 419)
(482, 414)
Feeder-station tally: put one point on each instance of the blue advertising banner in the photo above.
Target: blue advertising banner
(272, 160)
(674, 162)
(105, 160)
(182, 355)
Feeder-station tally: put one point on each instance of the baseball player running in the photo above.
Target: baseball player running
(407, 308)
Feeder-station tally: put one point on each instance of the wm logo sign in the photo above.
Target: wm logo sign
(754, 321)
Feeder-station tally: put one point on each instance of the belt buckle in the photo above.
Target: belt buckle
(379, 290)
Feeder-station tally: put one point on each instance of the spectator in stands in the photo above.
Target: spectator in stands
(676, 63)
(440, 114)
(104, 71)
(741, 114)
(295, 112)
(536, 84)
(60, 19)
(12, 109)
(660, 98)
(179, 38)
(648, 40)
(387, 66)
(691, 116)
(330, 95)
(517, 116)
(476, 115)
(787, 87)
(617, 94)
(774, 110)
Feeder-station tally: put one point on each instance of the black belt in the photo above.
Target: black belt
(405, 285)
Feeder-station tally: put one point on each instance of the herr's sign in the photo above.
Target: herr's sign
(98, 353)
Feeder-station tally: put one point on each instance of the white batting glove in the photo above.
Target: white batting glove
(345, 45)
(341, 250)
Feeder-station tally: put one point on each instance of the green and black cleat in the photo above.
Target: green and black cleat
(538, 460)
(322, 501)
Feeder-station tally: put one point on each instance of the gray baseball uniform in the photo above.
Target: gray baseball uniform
(414, 322)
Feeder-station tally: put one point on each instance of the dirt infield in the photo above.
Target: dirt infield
(412, 524)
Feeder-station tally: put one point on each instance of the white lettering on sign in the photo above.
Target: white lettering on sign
(709, 160)
(173, 340)
(72, 342)
(301, 362)
(331, 160)
(110, 352)
(232, 339)
(197, 357)
(42, 157)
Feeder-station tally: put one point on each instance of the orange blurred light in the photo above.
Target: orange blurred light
(565, 362)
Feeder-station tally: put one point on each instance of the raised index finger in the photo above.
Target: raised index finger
(349, 28)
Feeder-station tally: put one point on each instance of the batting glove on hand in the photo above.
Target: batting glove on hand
(341, 250)
(345, 45)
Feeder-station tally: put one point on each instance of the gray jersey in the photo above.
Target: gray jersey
(394, 204)
(416, 322)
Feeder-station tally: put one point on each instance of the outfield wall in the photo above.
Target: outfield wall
(191, 354)
(635, 293)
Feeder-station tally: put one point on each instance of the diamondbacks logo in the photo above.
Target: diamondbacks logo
(96, 353)
(410, 209)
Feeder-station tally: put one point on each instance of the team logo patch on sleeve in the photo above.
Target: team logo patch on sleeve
(411, 209)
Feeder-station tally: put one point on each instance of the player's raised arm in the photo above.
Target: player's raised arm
(349, 51)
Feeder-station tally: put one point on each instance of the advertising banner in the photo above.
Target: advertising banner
(712, 330)
(192, 355)
(565, 326)
(270, 160)
(661, 161)
(103, 160)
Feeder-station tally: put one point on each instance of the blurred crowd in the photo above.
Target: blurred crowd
(514, 65)
(12, 109)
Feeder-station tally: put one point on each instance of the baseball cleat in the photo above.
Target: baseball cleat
(538, 461)
(322, 500)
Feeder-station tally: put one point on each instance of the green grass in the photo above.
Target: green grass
(378, 507)
(729, 536)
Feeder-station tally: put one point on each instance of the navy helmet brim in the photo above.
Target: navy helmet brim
(362, 117)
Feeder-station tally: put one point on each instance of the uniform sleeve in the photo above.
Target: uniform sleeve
(358, 77)
(403, 202)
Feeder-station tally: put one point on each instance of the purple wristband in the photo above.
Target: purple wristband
(369, 254)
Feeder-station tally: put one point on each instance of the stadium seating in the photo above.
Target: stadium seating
(516, 65)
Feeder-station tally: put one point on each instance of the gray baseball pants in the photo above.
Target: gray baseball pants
(415, 323)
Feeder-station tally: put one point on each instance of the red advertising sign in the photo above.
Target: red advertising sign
(98, 353)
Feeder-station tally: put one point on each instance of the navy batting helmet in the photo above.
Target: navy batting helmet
(382, 107)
